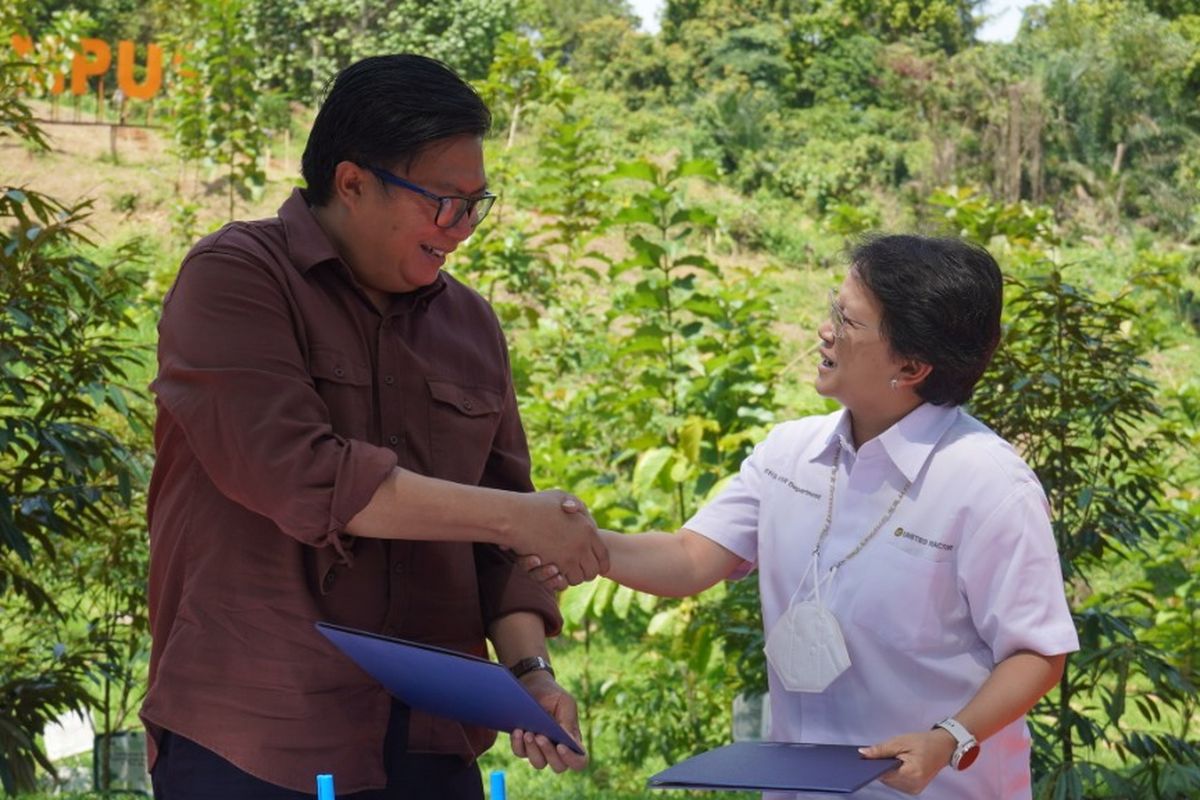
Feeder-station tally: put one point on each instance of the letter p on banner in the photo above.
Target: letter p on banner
(83, 67)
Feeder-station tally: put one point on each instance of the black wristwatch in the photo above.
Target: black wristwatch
(966, 749)
(528, 665)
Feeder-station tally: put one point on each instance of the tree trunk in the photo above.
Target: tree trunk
(1037, 179)
(1012, 167)
(512, 125)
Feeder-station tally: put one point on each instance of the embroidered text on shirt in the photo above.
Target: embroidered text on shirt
(772, 474)
(900, 532)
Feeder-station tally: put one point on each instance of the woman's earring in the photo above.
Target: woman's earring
(893, 384)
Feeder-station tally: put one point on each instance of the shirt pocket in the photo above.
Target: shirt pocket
(463, 421)
(344, 385)
(906, 600)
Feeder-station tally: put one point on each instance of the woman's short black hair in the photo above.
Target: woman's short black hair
(941, 302)
(385, 110)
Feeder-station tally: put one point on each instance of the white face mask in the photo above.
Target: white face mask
(806, 648)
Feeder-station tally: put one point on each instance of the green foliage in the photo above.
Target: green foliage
(973, 215)
(217, 119)
(462, 34)
(690, 365)
(110, 617)
(37, 683)
(643, 70)
(55, 48)
(666, 711)
(64, 351)
(828, 156)
(516, 78)
(62, 356)
(561, 24)
(111, 20)
(16, 117)
(1122, 110)
(693, 358)
(845, 73)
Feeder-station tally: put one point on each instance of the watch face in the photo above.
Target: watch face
(968, 757)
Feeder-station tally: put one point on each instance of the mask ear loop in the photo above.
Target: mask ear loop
(815, 592)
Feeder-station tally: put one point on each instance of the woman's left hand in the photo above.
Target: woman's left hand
(922, 756)
(538, 749)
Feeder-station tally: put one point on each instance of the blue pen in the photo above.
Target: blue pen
(498, 790)
(324, 787)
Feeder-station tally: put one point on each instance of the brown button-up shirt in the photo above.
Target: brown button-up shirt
(284, 398)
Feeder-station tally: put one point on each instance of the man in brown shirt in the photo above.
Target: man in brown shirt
(338, 439)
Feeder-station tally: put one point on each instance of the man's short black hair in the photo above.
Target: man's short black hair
(941, 302)
(386, 110)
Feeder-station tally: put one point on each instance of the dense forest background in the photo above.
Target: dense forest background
(674, 207)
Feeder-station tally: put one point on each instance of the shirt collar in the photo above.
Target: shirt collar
(836, 429)
(307, 242)
(308, 245)
(908, 443)
(911, 440)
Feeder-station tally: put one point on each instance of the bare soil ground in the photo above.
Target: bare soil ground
(137, 192)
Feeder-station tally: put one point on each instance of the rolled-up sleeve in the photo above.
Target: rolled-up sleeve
(234, 378)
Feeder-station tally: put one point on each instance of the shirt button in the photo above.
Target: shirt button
(393, 439)
(328, 581)
(467, 405)
(389, 380)
(398, 568)
(339, 371)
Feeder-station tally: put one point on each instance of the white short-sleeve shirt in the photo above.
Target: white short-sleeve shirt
(964, 574)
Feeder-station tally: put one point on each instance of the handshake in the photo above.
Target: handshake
(555, 534)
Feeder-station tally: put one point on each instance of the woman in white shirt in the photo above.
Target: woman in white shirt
(911, 588)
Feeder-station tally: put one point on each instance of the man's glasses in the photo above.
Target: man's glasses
(451, 208)
(839, 319)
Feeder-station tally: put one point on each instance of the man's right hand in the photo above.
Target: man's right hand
(556, 534)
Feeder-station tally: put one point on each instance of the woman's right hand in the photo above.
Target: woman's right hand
(559, 535)
(548, 574)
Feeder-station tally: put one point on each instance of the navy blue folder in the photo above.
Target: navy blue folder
(447, 683)
(776, 766)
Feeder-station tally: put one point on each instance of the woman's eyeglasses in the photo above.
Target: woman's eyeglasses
(840, 320)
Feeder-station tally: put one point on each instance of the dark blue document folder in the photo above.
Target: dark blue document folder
(776, 766)
(447, 683)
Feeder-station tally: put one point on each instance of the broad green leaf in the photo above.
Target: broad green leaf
(622, 601)
(638, 170)
(650, 465)
(691, 434)
(576, 602)
(699, 167)
(603, 597)
(665, 623)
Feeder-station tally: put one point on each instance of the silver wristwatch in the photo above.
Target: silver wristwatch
(528, 665)
(966, 749)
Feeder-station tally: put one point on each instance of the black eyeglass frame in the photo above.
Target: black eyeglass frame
(477, 206)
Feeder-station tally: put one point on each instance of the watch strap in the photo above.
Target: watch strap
(964, 741)
(527, 665)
